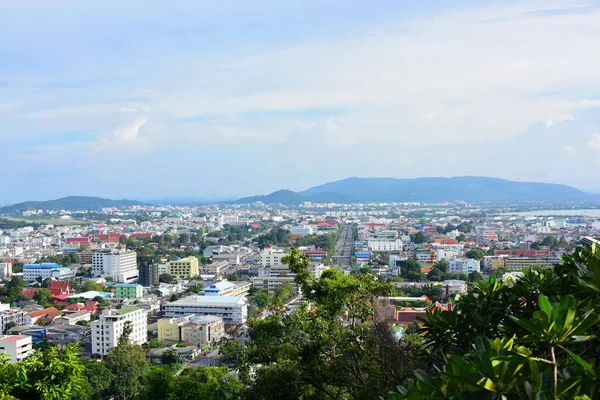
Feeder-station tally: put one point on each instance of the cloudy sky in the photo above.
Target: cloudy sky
(202, 98)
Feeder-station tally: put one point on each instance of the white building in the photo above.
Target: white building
(233, 309)
(5, 270)
(8, 316)
(384, 244)
(464, 266)
(271, 257)
(120, 265)
(16, 347)
(302, 230)
(47, 270)
(73, 318)
(109, 328)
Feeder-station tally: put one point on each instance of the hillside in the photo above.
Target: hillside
(71, 203)
(467, 188)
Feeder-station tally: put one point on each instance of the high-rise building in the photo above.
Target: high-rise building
(184, 268)
(120, 265)
(109, 328)
(149, 273)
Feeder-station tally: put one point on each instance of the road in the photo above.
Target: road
(344, 247)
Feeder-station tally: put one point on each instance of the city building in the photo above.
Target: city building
(184, 268)
(494, 262)
(5, 270)
(216, 268)
(31, 272)
(227, 288)
(10, 317)
(516, 264)
(302, 230)
(233, 309)
(149, 274)
(197, 330)
(16, 347)
(464, 266)
(384, 244)
(128, 291)
(120, 265)
(107, 330)
(73, 318)
(47, 315)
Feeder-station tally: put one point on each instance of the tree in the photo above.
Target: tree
(231, 352)
(410, 270)
(42, 296)
(209, 383)
(91, 286)
(442, 265)
(413, 327)
(474, 276)
(435, 275)
(127, 363)
(97, 380)
(166, 278)
(284, 292)
(232, 277)
(461, 238)
(261, 298)
(535, 337)
(464, 227)
(550, 241)
(419, 238)
(158, 383)
(169, 356)
(475, 254)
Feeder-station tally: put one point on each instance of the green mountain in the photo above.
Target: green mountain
(71, 203)
(466, 188)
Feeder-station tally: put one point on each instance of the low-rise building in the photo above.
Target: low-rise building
(233, 309)
(227, 288)
(464, 266)
(73, 318)
(197, 330)
(516, 264)
(11, 318)
(5, 270)
(47, 315)
(108, 329)
(31, 272)
(128, 291)
(15, 347)
(184, 268)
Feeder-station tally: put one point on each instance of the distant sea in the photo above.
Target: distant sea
(551, 213)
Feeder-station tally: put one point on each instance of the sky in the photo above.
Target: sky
(153, 99)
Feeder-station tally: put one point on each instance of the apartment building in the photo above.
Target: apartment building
(216, 268)
(464, 266)
(16, 347)
(149, 274)
(517, 264)
(233, 309)
(7, 316)
(107, 330)
(494, 262)
(5, 270)
(302, 230)
(31, 272)
(128, 291)
(120, 265)
(384, 244)
(184, 268)
(197, 330)
(227, 288)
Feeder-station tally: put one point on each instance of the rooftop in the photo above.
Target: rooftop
(127, 310)
(13, 337)
(209, 300)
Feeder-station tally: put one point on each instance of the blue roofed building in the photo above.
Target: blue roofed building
(31, 272)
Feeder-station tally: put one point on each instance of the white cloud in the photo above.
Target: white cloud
(553, 121)
(127, 109)
(594, 142)
(125, 137)
(569, 150)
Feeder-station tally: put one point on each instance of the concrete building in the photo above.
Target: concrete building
(47, 315)
(384, 244)
(31, 272)
(149, 274)
(197, 330)
(73, 318)
(270, 283)
(120, 265)
(128, 291)
(302, 230)
(233, 309)
(184, 268)
(108, 329)
(5, 270)
(494, 262)
(516, 264)
(216, 268)
(227, 288)
(17, 317)
(16, 347)
(464, 266)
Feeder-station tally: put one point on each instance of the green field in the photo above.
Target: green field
(49, 221)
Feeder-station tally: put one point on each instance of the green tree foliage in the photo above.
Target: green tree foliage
(473, 276)
(97, 380)
(91, 286)
(42, 296)
(261, 298)
(12, 291)
(231, 352)
(276, 237)
(550, 241)
(464, 227)
(312, 353)
(410, 270)
(435, 275)
(475, 254)
(531, 338)
(283, 293)
(419, 238)
(166, 278)
(169, 356)
(461, 238)
(46, 374)
(442, 265)
(434, 292)
(127, 363)
(326, 241)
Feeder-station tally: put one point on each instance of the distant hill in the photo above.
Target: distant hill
(71, 203)
(467, 188)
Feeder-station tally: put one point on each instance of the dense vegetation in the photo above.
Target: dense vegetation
(68, 203)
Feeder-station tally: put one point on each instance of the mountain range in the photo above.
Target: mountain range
(71, 203)
(430, 190)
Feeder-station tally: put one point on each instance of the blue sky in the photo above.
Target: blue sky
(196, 98)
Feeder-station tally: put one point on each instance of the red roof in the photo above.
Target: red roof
(60, 297)
(268, 246)
(13, 337)
(142, 235)
(78, 240)
(29, 292)
(46, 311)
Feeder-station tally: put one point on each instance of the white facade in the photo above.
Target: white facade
(271, 257)
(5, 270)
(120, 265)
(108, 329)
(8, 316)
(464, 266)
(302, 230)
(384, 244)
(47, 270)
(16, 347)
(232, 309)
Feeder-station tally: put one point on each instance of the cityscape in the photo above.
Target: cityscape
(300, 200)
